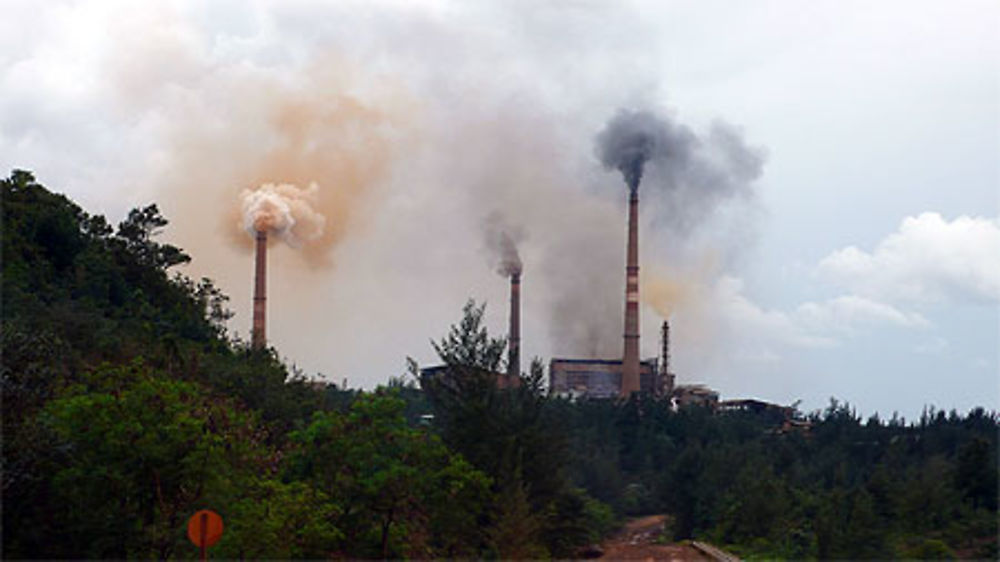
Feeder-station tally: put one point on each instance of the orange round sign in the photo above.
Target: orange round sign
(205, 528)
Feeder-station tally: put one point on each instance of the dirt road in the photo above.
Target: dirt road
(637, 541)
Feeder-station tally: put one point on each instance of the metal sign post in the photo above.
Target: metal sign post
(204, 530)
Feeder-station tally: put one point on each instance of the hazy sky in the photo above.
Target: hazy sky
(862, 262)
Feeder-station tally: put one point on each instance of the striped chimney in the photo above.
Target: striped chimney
(258, 336)
(630, 357)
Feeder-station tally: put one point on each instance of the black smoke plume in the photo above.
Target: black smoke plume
(501, 242)
(629, 140)
(690, 174)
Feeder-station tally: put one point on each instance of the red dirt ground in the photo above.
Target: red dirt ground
(637, 541)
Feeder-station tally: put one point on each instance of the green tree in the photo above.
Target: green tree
(399, 488)
(976, 474)
(469, 345)
(864, 536)
(512, 435)
(137, 233)
(140, 453)
(515, 533)
(266, 518)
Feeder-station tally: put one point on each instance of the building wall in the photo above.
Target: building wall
(695, 395)
(597, 378)
(503, 380)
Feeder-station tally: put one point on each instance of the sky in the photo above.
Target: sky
(854, 254)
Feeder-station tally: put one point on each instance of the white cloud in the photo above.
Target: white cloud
(979, 363)
(753, 332)
(934, 346)
(929, 259)
(849, 312)
(720, 332)
(811, 324)
(760, 327)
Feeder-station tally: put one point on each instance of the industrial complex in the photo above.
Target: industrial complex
(572, 378)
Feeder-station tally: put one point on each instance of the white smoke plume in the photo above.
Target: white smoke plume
(285, 210)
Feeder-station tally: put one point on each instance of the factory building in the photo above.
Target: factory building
(502, 380)
(755, 406)
(603, 378)
(695, 395)
(598, 378)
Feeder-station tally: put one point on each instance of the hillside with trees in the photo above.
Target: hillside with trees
(127, 406)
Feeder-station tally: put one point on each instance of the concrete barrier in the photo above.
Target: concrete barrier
(714, 553)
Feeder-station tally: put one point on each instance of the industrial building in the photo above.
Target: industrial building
(602, 378)
(755, 406)
(502, 380)
(695, 395)
(598, 378)
(607, 378)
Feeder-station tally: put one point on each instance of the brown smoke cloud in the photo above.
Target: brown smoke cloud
(682, 296)
(668, 290)
(301, 146)
(664, 293)
(222, 129)
(312, 132)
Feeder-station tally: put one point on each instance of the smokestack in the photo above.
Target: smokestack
(258, 336)
(666, 377)
(630, 357)
(514, 343)
(666, 347)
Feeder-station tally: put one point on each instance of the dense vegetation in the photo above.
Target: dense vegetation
(127, 407)
(841, 489)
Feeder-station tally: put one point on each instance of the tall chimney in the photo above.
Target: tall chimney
(630, 357)
(514, 343)
(258, 337)
(665, 335)
(666, 387)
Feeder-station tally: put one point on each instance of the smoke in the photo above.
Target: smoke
(664, 293)
(689, 175)
(698, 217)
(583, 270)
(629, 140)
(679, 288)
(377, 152)
(545, 185)
(285, 210)
(228, 135)
(501, 242)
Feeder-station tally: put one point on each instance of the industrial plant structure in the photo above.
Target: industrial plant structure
(597, 378)
(571, 377)
(630, 371)
(258, 334)
(695, 395)
(604, 378)
(514, 335)
(501, 380)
